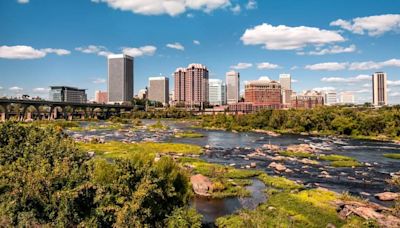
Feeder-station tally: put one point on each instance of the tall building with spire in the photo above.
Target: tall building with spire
(379, 89)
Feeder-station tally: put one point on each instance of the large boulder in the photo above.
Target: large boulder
(202, 185)
(387, 196)
(301, 148)
(277, 166)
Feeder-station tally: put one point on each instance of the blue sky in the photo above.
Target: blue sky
(63, 42)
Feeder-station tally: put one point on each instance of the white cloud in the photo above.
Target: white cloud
(394, 94)
(328, 88)
(15, 89)
(333, 50)
(366, 85)
(371, 65)
(159, 7)
(294, 68)
(99, 81)
(295, 80)
(267, 66)
(141, 51)
(23, 1)
(94, 49)
(196, 42)
(393, 83)
(330, 66)
(41, 90)
(176, 46)
(236, 9)
(241, 66)
(361, 77)
(251, 4)
(373, 25)
(56, 51)
(288, 38)
(28, 52)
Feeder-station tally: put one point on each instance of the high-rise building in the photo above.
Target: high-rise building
(159, 89)
(217, 92)
(263, 92)
(120, 78)
(330, 97)
(379, 89)
(67, 94)
(286, 84)
(101, 97)
(232, 87)
(347, 98)
(180, 85)
(191, 85)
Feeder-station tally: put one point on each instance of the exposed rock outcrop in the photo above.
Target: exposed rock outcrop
(202, 185)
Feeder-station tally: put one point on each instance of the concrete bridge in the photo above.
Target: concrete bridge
(24, 109)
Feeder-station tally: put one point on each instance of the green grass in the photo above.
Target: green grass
(89, 127)
(346, 164)
(308, 208)
(188, 134)
(297, 154)
(157, 126)
(279, 182)
(116, 149)
(393, 156)
(341, 161)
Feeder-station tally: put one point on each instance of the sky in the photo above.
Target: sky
(330, 44)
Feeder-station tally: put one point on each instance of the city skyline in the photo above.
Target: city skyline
(342, 50)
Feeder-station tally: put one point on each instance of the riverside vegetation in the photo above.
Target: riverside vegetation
(48, 180)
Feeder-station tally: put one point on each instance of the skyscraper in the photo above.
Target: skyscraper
(159, 89)
(180, 85)
(191, 85)
(232, 87)
(120, 78)
(67, 94)
(217, 92)
(379, 89)
(286, 84)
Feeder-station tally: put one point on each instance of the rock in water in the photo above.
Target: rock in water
(202, 185)
(387, 196)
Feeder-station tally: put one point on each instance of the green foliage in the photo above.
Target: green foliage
(184, 218)
(157, 126)
(361, 121)
(115, 149)
(346, 164)
(279, 182)
(188, 134)
(167, 113)
(308, 208)
(335, 157)
(46, 181)
(392, 155)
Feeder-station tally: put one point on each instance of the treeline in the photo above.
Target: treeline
(46, 181)
(330, 120)
(171, 112)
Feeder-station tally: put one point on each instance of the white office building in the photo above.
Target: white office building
(347, 98)
(232, 87)
(159, 89)
(216, 92)
(330, 97)
(286, 88)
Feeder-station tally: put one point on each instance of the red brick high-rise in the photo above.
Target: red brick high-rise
(191, 85)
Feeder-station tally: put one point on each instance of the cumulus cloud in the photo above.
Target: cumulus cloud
(358, 78)
(28, 52)
(94, 49)
(236, 9)
(332, 50)
(373, 25)
(371, 65)
(99, 81)
(393, 83)
(327, 88)
(330, 66)
(15, 89)
(41, 90)
(283, 37)
(267, 66)
(23, 1)
(176, 46)
(241, 66)
(159, 7)
(251, 4)
(294, 80)
(141, 51)
(196, 42)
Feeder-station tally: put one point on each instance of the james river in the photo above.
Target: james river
(230, 148)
